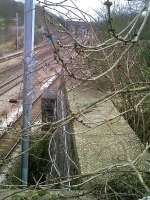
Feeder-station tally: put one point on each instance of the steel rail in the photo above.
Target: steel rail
(16, 143)
(18, 54)
(6, 84)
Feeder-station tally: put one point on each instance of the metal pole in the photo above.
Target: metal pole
(17, 31)
(29, 23)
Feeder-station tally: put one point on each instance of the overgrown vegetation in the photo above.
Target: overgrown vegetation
(132, 72)
(126, 186)
(36, 195)
(39, 161)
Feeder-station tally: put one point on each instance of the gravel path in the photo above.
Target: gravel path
(101, 146)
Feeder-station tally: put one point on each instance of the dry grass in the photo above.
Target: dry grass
(7, 47)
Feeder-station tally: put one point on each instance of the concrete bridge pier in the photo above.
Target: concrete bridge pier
(62, 147)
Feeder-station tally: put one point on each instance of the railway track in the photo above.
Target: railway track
(19, 54)
(17, 79)
(10, 141)
(12, 148)
(6, 86)
(9, 67)
(10, 84)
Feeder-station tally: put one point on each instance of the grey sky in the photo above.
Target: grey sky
(89, 5)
